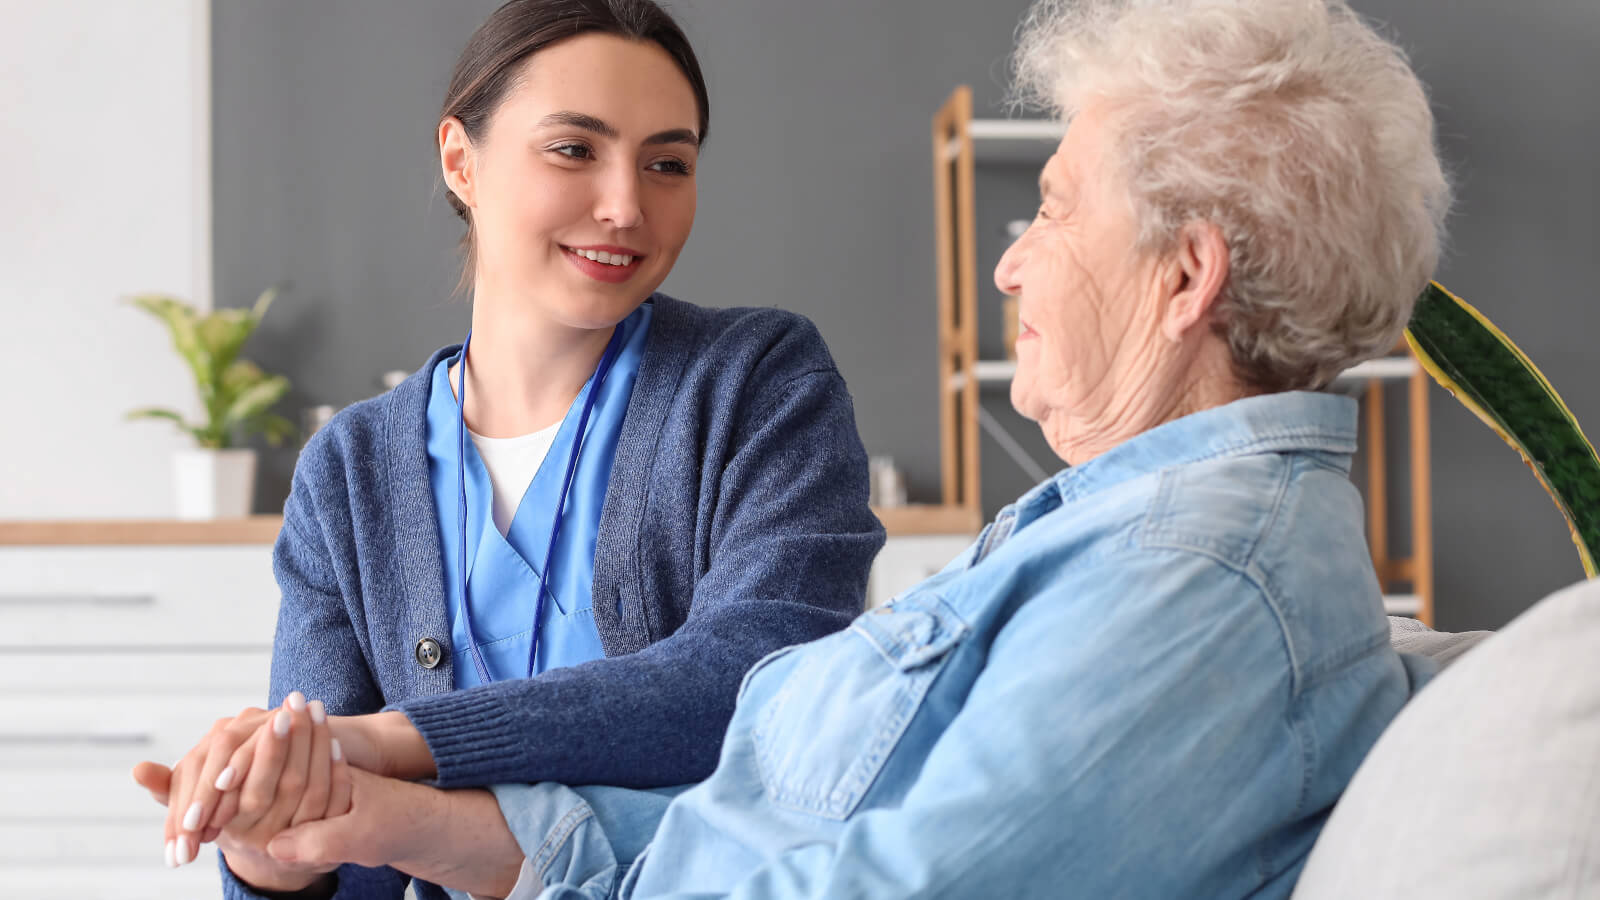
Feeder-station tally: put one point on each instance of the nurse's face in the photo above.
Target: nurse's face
(592, 153)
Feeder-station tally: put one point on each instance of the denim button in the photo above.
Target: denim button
(429, 653)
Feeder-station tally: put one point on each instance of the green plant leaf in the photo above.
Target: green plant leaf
(263, 301)
(254, 401)
(234, 392)
(152, 412)
(240, 377)
(210, 438)
(1478, 364)
(181, 321)
(275, 428)
(223, 333)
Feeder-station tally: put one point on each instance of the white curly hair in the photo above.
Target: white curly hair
(1291, 125)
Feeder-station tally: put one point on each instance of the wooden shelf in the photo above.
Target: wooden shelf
(920, 518)
(1388, 368)
(1402, 604)
(151, 532)
(1010, 140)
(897, 520)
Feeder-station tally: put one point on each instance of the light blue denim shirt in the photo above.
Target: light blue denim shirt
(1151, 676)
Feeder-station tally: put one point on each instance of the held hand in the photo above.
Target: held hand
(155, 778)
(178, 787)
(295, 774)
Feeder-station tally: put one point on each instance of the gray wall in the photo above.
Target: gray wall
(815, 196)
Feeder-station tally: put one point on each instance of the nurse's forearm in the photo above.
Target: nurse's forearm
(470, 847)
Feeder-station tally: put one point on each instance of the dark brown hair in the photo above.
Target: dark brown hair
(489, 66)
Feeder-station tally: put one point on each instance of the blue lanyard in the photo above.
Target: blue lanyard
(600, 372)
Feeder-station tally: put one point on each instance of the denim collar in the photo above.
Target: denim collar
(1291, 421)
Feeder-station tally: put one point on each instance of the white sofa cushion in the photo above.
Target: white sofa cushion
(1487, 785)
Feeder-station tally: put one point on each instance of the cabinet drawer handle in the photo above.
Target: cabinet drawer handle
(106, 739)
(77, 600)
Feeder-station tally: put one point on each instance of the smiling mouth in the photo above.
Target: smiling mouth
(605, 257)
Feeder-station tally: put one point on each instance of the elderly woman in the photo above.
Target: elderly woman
(1153, 674)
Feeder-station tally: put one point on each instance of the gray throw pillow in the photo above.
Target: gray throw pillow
(1443, 647)
(1487, 785)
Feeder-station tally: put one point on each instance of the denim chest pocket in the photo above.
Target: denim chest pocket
(825, 735)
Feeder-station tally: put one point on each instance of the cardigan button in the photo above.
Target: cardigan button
(429, 653)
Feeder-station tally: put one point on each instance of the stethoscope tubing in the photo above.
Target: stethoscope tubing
(613, 347)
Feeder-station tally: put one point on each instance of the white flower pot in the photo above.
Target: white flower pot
(214, 484)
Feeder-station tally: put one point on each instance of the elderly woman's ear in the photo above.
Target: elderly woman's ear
(1196, 271)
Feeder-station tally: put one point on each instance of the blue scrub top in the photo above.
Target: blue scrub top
(503, 571)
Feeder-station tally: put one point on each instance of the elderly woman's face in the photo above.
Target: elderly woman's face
(1089, 314)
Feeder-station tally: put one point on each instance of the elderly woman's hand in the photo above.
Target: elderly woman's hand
(179, 788)
(251, 777)
(455, 838)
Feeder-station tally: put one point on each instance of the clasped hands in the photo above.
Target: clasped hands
(289, 794)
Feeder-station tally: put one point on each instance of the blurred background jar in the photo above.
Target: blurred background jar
(887, 484)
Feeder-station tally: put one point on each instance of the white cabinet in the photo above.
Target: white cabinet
(906, 560)
(117, 652)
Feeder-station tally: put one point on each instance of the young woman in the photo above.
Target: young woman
(552, 552)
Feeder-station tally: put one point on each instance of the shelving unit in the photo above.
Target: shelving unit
(959, 142)
(134, 635)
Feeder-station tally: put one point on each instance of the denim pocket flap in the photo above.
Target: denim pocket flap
(825, 735)
(913, 632)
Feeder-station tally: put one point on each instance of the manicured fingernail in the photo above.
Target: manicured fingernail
(334, 750)
(185, 850)
(319, 713)
(280, 723)
(225, 778)
(191, 819)
(296, 700)
(171, 859)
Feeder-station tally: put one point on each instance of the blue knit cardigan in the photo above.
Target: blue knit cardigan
(736, 522)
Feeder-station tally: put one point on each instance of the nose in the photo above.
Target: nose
(618, 203)
(1007, 273)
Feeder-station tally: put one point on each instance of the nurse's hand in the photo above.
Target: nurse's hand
(385, 743)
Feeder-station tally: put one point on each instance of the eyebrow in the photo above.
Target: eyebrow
(606, 130)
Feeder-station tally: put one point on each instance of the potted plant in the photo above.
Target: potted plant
(216, 478)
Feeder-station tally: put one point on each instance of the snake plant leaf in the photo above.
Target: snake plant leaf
(1492, 377)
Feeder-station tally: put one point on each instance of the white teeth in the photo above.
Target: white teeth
(601, 256)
